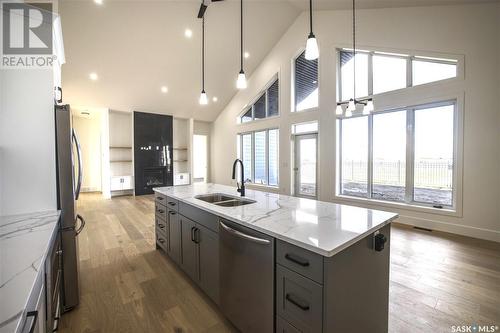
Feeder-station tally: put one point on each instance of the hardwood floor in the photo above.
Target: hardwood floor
(437, 279)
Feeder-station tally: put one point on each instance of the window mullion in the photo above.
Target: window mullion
(266, 147)
(370, 157)
(370, 73)
(409, 72)
(410, 154)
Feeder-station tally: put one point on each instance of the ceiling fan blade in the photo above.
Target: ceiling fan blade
(202, 10)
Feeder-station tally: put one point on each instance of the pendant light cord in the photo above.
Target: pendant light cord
(311, 16)
(203, 53)
(354, 46)
(241, 35)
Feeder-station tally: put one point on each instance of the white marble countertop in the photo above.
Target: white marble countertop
(24, 243)
(322, 227)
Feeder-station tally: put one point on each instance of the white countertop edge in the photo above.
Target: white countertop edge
(281, 237)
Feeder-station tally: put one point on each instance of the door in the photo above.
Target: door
(174, 236)
(208, 242)
(306, 165)
(189, 248)
(200, 159)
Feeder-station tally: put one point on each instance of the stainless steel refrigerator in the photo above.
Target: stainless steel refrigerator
(69, 181)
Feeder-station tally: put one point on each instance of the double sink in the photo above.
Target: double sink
(224, 200)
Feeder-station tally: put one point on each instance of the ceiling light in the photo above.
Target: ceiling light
(241, 82)
(99, 2)
(93, 76)
(164, 89)
(203, 98)
(215, 99)
(188, 33)
(352, 106)
(312, 51)
(339, 110)
(247, 55)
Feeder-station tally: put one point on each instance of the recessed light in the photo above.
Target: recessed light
(99, 2)
(188, 33)
(164, 89)
(93, 76)
(215, 99)
(247, 55)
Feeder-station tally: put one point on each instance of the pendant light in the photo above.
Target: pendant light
(312, 51)
(203, 97)
(367, 104)
(241, 82)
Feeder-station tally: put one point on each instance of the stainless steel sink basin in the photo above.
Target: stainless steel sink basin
(224, 200)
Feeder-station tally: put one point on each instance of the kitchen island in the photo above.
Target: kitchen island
(279, 263)
(27, 245)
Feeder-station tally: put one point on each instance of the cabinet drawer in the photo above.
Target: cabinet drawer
(172, 204)
(161, 212)
(299, 300)
(282, 326)
(160, 199)
(300, 260)
(161, 241)
(161, 226)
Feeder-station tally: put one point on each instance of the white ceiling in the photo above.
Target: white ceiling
(136, 47)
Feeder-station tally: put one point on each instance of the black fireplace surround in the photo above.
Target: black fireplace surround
(153, 165)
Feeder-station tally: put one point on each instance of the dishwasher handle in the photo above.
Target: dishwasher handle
(244, 236)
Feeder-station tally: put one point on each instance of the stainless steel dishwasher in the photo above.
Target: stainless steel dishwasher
(246, 277)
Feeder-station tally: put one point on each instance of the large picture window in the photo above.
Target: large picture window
(266, 105)
(378, 72)
(406, 155)
(259, 153)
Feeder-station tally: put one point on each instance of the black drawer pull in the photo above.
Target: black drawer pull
(159, 198)
(161, 211)
(296, 259)
(297, 302)
(161, 226)
(171, 203)
(161, 240)
(172, 212)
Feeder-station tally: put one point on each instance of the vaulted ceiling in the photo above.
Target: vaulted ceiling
(137, 47)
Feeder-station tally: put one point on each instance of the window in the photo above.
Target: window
(305, 83)
(401, 155)
(378, 72)
(267, 104)
(354, 150)
(259, 153)
(427, 70)
(302, 128)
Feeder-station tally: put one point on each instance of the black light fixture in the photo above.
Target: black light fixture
(203, 97)
(367, 104)
(312, 51)
(241, 82)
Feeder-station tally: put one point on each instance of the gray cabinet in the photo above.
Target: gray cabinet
(174, 236)
(208, 242)
(189, 248)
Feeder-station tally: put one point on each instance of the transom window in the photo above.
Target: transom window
(305, 83)
(259, 152)
(266, 105)
(378, 72)
(406, 155)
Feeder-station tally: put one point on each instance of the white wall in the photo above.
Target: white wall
(89, 134)
(471, 31)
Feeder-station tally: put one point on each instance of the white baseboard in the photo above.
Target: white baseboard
(463, 230)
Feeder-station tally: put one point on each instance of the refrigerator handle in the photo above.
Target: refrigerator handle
(80, 166)
(82, 224)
